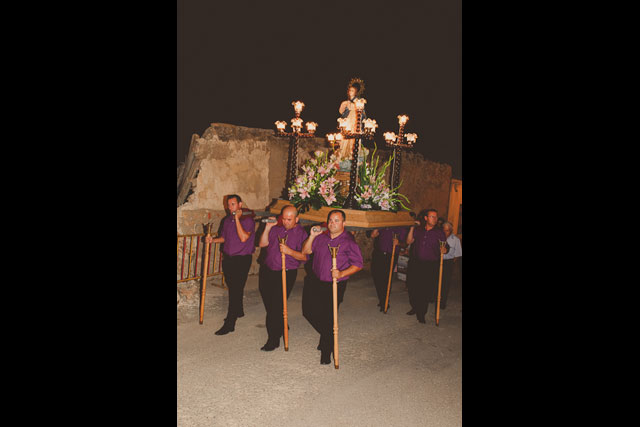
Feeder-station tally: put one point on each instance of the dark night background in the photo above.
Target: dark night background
(155, 75)
(243, 63)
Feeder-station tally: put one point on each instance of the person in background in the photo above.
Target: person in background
(424, 264)
(381, 258)
(450, 259)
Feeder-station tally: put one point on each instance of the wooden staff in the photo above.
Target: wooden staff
(439, 285)
(284, 298)
(393, 252)
(206, 270)
(334, 254)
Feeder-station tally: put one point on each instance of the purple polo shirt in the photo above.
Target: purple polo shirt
(232, 244)
(349, 254)
(384, 241)
(426, 246)
(295, 237)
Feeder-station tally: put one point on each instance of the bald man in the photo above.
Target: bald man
(270, 276)
(317, 295)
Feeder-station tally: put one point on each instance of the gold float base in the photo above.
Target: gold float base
(355, 218)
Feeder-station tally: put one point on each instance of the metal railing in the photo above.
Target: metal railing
(189, 260)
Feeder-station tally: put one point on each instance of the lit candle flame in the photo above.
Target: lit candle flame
(331, 137)
(296, 123)
(338, 137)
(311, 127)
(298, 106)
(411, 138)
(360, 103)
(390, 136)
(402, 119)
(342, 122)
(281, 125)
(370, 125)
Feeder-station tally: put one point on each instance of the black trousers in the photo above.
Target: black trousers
(236, 270)
(317, 307)
(380, 262)
(422, 284)
(270, 286)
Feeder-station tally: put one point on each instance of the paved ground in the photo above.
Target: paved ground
(393, 370)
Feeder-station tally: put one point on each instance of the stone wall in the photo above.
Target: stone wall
(253, 164)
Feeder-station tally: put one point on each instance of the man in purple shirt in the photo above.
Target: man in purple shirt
(317, 295)
(424, 263)
(238, 237)
(381, 258)
(270, 278)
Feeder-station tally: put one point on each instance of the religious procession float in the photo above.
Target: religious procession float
(333, 180)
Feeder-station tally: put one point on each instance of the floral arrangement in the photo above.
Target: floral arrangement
(316, 186)
(373, 192)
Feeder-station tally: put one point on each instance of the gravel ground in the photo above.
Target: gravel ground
(393, 370)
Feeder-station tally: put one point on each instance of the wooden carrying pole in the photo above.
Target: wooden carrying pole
(206, 270)
(393, 252)
(334, 253)
(439, 287)
(284, 298)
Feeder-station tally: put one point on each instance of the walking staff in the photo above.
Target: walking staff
(206, 270)
(384, 255)
(393, 252)
(334, 255)
(439, 284)
(283, 241)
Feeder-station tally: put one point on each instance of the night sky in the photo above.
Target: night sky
(243, 63)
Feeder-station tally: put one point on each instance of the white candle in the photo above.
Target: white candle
(298, 106)
(311, 127)
(296, 123)
(390, 136)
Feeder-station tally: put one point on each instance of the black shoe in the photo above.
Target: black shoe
(411, 312)
(421, 318)
(241, 314)
(270, 346)
(325, 357)
(226, 328)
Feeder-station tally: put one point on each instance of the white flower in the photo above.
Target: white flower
(318, 153)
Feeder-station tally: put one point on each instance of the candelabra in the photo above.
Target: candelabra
(364, 129)
(397, 142)
(294, 136)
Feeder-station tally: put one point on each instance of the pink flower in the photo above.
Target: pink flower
(304, 193)
(330, 198)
